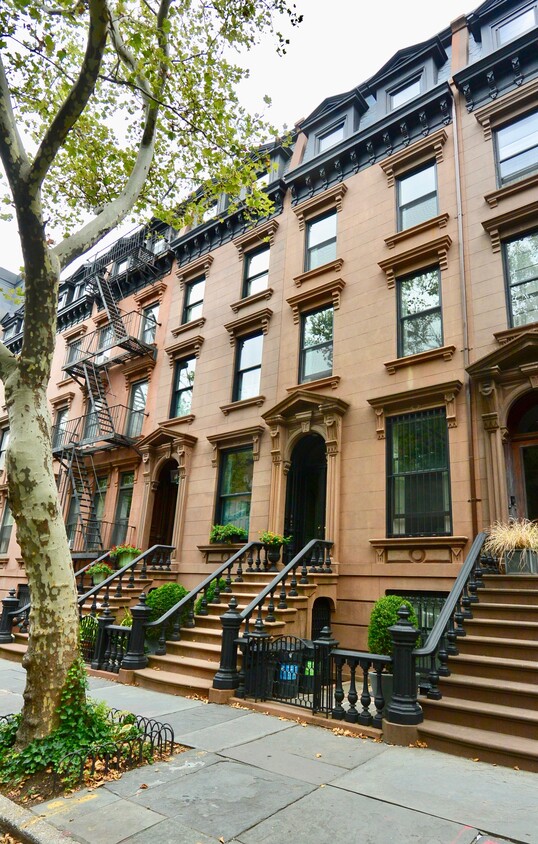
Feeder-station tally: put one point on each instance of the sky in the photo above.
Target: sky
(339, 44)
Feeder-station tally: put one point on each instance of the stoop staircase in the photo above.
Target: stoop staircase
(489, 708)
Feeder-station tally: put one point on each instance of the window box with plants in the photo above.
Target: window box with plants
(99, 572)
(383, 616)
(228, 534)
(515, 545)
(273, 543)
(124, 554)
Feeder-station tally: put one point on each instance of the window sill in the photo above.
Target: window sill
(251, 300)
(330, 381)
(218, 552)
(331, 266)
(187, 326)
(418, 549)
(445, 352)
(509, 334)
(432, 252)
(255, 401)
(496, 196)
(435, 222)
(178, 420)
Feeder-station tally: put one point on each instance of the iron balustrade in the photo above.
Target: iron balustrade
(314, 557)
(118, 422)
(108, 344)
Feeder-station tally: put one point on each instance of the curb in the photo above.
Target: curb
(25, 826)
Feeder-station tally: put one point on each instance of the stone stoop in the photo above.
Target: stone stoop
(489, 708)
(189, 666)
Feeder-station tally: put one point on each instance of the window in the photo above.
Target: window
(74, 351)
(182, 389)
(105, 341)
(330, 138)
(148, 324)
(137, 405)
(517, 149)
(4, 442)
(521, 262)
(5, 528)
(59, 434)
(516, 25)
(417, 197)
(235, 487)
(194, 299)
(256, 271)
(316, 357)
(72, 520)
(122, 266)
(94, 539)
(123, 508)
(248, 367)
(404, 94)
(419, 313)
(418, 481)
(320, 241)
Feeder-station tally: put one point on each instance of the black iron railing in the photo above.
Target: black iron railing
(106, 344)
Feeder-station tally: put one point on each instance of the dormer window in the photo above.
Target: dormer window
(515, 25)
(330, 138)
(404, 93)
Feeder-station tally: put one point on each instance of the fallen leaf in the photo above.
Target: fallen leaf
(318, 755)
(516, 767)
(143, 785)
(322, 785)
(476, 759)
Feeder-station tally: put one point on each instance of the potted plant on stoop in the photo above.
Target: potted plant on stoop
(99, 572)
(273, 543)
(515, 545)
(229, 534)
(384, 615)
(123, 554)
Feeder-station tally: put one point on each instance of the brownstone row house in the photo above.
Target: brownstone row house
(362, 366)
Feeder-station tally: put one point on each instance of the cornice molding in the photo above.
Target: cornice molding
(153, 293)
(251, 300)
(184, 348)
(190, 271)
(258, 236)
(508, 106)
(417, 399)
(230, 439)
(417, 152)
(419, 257)
(325, 294)
(329, 199)
(510, 223)
(258, 321)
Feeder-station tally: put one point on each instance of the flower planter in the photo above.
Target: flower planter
(521, 561)
(99, 578)
(124, 558)
(273, 555)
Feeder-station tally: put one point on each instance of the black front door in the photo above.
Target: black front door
(305, 492)
(164, 507)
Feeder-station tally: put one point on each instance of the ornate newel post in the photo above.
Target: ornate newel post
(9, 605)
(404, 709)
(323, 646)
(136, 656)
(227, 677)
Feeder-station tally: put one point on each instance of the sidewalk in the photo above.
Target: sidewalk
(255, 779)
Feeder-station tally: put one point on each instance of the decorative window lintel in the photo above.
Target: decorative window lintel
(445, 352)
(74, 333)
(414, 154)
(264, 234)
(326, 201)
(249, 324)
(331, 266)
(255, 401)
(235, 439)
(185, 348)
(188, 326)
(509, 105)
(510, 223)
(62, 400)
(435, 251)
(151, 294)
(310, 299)
(140, 370)
(435, 222)
(421, 399)
(195, 268)
(251, 300)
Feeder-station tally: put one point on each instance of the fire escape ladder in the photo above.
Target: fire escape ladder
(77, 479)
(99, 419)
(102, 288)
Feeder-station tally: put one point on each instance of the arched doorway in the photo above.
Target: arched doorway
(306, 492)
(522, 426)
(164, 505)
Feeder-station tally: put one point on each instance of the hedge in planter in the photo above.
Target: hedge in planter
(162, 599)
(384, 615)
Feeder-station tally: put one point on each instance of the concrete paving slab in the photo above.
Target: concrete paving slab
(240, 731)
(9, 665)
(201, 717)
(162, 772)
(12, 680)
(143, 701)
(328, 815)
(63, 810)
(307, 742)
(113, 824)
(10, 702)
(100, 683)
(279, 762)
(170, 832)
(225, 799)
(496, 800)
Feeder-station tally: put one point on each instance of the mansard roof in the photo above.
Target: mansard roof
(486, 10)
(406, 59)
(334, 104)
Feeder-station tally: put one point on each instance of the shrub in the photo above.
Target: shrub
(384, 615)
(162, 599)
(100, 568)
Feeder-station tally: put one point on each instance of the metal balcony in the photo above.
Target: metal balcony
(113, 343)
(118, 426)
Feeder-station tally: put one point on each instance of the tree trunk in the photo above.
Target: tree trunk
(41, 534)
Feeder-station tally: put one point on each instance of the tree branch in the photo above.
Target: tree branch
(8, 362)
(12, 150)
(115, 211)
(78, 96)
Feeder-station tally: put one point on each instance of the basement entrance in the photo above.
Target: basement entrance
(306, 492)
(164, 505)
(523, 479)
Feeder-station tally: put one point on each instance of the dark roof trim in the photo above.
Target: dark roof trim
(333, 105)
(486, 11)
(406, 59)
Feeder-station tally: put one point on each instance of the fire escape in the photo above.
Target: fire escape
(104, 426)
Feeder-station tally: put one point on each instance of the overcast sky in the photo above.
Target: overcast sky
(339, 45)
